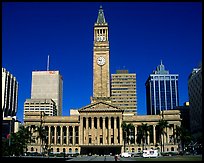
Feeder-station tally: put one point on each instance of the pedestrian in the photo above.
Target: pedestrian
(116, 157)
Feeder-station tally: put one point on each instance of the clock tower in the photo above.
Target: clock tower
(101, 76)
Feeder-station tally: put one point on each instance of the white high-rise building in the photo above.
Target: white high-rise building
(48, 85)
(46, 105)
(9, 94)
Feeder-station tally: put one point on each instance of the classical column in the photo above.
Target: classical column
(148, 138)
(104, 134)
(98, 130)
(115, 131)
(109, 130)
(121, 131)
(61, 133)
(165, 136)
(81, 131)
(73, 137)
(55, 135)
(87, 130)
(154, 134)
(49, 134)
(135, 134)
(174, 135)
(92, 131)
(67, 130)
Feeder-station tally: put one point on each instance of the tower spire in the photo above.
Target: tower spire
(101, 17)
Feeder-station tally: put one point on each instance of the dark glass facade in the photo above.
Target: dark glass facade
(161, 91)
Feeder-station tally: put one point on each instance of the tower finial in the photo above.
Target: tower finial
(48, 60)
(161, 61)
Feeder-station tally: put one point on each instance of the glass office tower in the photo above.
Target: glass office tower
(161, 91)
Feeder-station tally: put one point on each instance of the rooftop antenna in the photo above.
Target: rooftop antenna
(48, 59)
(161, 61)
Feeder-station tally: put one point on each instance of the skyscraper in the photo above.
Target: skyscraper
(123, 91)
(195, 101)
(9, 94)
(161, 91)
(48, 85)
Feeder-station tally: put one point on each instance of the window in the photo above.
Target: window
(101, 140)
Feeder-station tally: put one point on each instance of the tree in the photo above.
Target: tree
(142, 134)
(183, 137)
(162, 125)
(16, 143)
(42, 136)
(127, 128)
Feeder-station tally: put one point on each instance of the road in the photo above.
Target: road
(99, 158)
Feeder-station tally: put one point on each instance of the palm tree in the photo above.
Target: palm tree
(127, 128)
(142, 134)
(41, 135)
(162, 125)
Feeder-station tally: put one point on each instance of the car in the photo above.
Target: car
(126, 154)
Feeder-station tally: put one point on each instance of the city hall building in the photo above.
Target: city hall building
(96, 128)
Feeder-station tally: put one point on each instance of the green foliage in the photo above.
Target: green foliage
(142, 134)
(17, 142)
(183, 137)
(42, 133)
(162, 126)
(127, 128)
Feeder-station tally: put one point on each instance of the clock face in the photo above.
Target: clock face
(101, 61)
(101, 38)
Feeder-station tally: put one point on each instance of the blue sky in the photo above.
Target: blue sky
(140, 35)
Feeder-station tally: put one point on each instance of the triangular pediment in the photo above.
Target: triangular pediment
(100, 106)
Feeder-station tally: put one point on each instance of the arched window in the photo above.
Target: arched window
(76, 150)
(57, 149)
(64, 150)
(70, 150)
(32, 149)
(172, 148)
(133, 150)
(139, 149)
